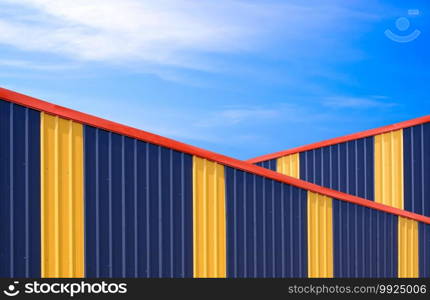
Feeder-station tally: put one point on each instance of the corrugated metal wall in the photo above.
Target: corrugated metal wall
(346, 167)
(424, 249)
(150, 211)
(266, 227)
(320, 236)
(62, 205)
(138, 208)
(365, 242)
(209, 219)
(269, 164)
(20, 191)
(408, 248)
(417, 169)
(289, 165)
(389, 168)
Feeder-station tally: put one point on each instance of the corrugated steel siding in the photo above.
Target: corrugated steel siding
(424, 249)
(408, 248)
(417, 169)
(320, 236)
(20, 191)
(209, 218)
(62, 212)
(266, 227)
(268, 164)
(365, 242)
(346, 167)
(138, 201)
(289, 165)
(389, 169)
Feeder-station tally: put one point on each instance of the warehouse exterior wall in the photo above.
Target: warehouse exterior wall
(138, 208)
(269, 164)
(19, 191)
(391, 168)
(99, 203)
(62, 198)
(266, 227)
(424, 249)
(365, 242)
(417, 168)
(209, 219)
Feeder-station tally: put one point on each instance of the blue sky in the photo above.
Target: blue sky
(243, 78)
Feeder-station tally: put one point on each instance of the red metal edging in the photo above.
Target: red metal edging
(343, 139)
(90, 120)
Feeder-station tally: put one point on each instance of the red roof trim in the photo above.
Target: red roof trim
(342, 139)
(172, 144)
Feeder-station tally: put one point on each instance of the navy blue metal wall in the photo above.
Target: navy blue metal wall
(266, 227)
(268, 164)
(138, 208)
(365, 241)
(346, 167)
(424, 249)
(20, 191)
(416, 141)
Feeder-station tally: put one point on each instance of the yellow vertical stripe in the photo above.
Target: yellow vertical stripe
(408, 248)
(389, 169)
(289, 165)
(209, 219)
(320, 236)
(62, 204)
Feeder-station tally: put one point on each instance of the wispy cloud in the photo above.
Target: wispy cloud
(163, 32)
(25, 64)
(358, 102)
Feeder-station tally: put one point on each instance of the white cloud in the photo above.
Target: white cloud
(168, 32)
(25, 64)
(357, 102)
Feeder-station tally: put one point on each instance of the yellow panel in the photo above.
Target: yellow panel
(209, 218)
(408, 248)
(320, 236)
(289, 165)
(389, 169)
(62, 204)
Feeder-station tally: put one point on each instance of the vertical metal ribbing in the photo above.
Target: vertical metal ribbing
(136, 229)
(209, 216)
(172, 218)
(62, 200)
(27, 198)
(56, 203)
(11, 196)
(69, 252)
(264, 229)
(245, 271)
(283, 232)
(110, 208)
(160, 216)
(423, 173)
(183, 246)
(205, 219)
(148, 215)
(254, 203)
(123, 228)
(269, 235)
(236, 260)
(392, 158)
(215, 221)
(97, 210)
(320, 236)
(273, 215)
(143, 228)
(20, 186)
